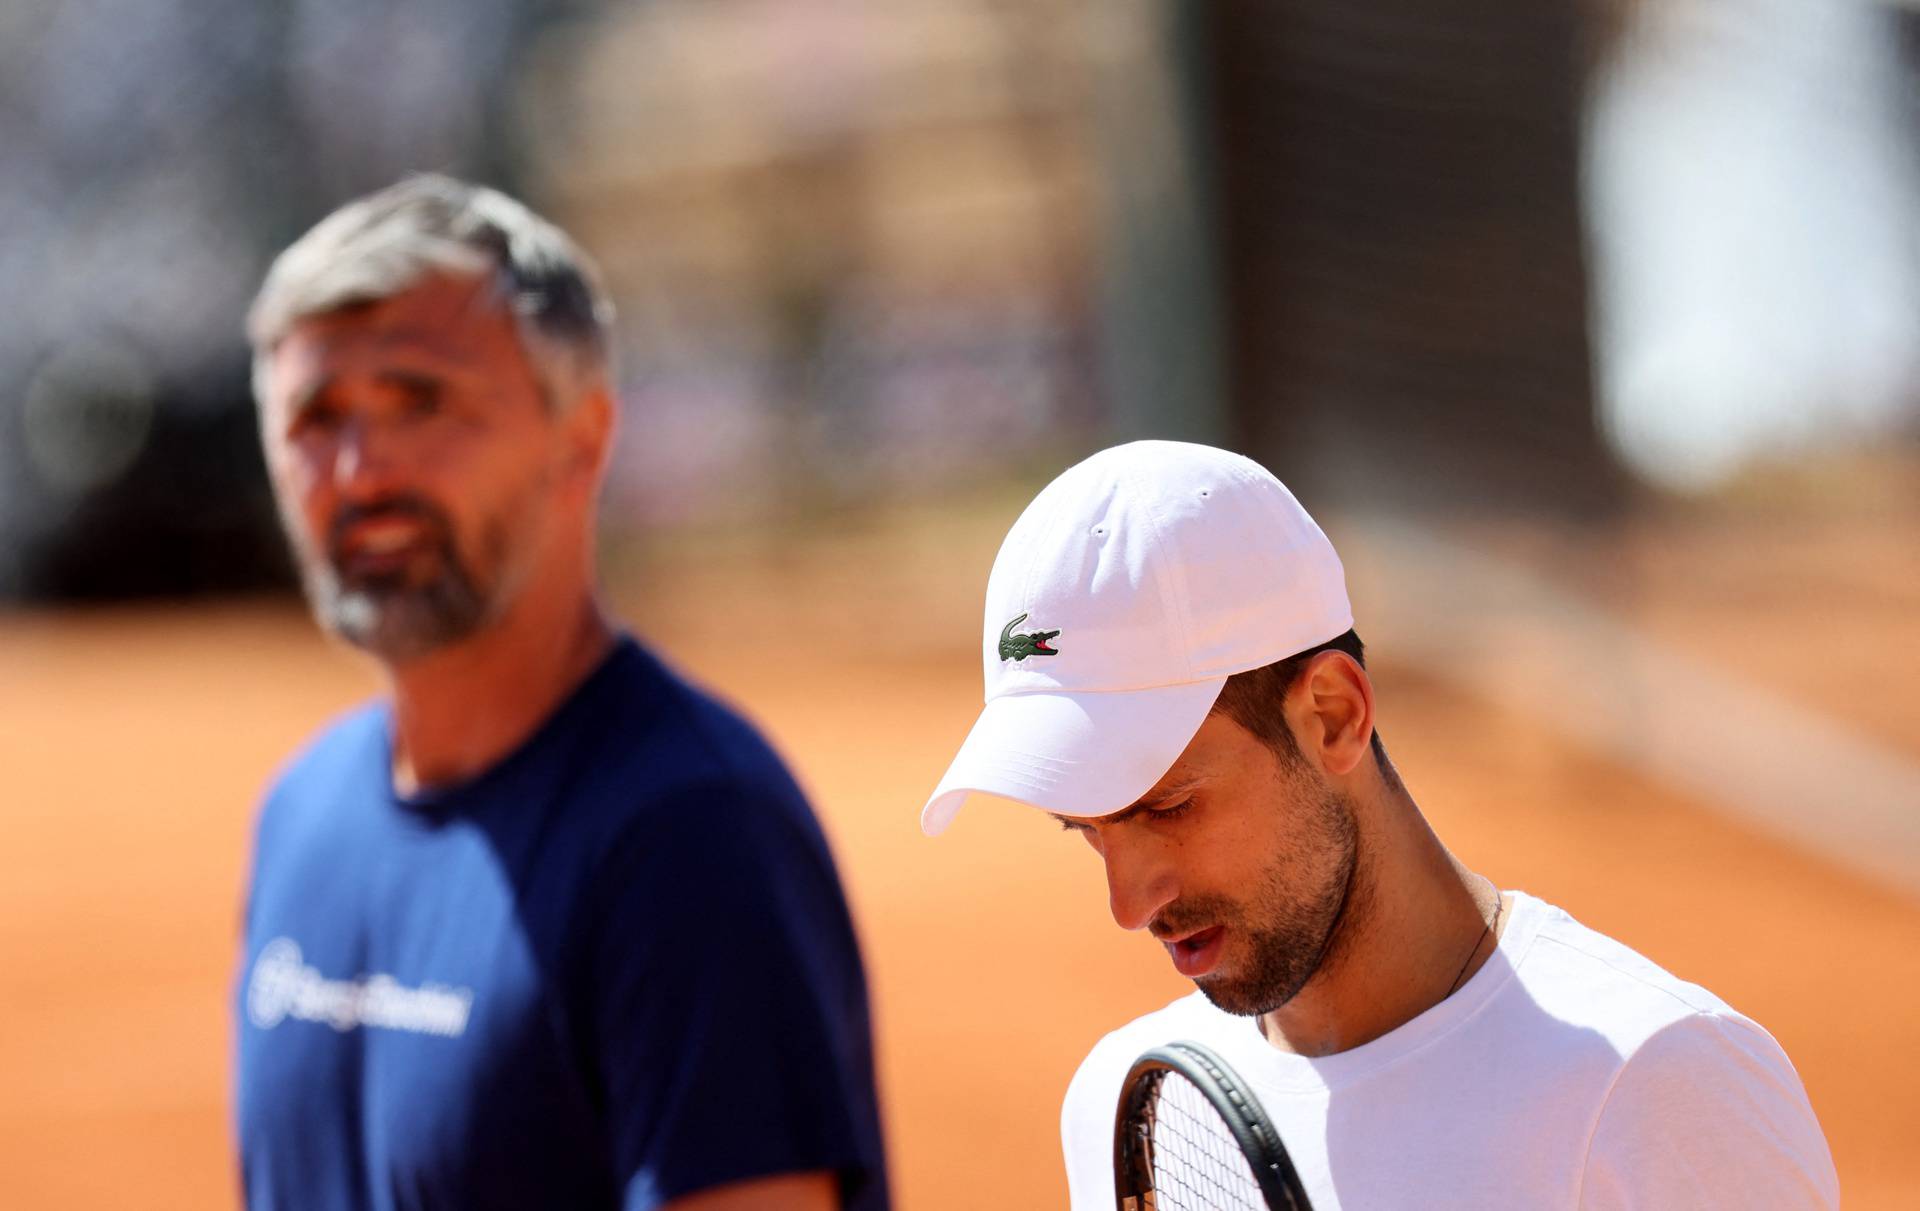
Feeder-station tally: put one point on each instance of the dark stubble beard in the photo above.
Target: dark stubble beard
(1290, 932)
(406, 615)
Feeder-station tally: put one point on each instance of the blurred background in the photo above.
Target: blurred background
(1591, 331)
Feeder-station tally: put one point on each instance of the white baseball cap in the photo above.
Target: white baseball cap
(1123, 598)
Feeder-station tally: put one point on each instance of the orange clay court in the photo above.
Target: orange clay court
(133, 743)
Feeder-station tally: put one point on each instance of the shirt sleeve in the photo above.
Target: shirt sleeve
(728, 1003)
(1708, 1113)
(1086, 1125)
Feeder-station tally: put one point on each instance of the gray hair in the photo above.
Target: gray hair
(383, 244)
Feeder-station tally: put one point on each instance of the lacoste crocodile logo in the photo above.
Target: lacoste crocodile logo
(1018, 647)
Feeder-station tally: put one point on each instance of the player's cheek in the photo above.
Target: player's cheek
(309, 486)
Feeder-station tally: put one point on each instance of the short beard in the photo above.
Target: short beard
(1290, 939)
(393, 618)
(401, 623)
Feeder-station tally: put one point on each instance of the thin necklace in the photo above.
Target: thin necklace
(1499, 906)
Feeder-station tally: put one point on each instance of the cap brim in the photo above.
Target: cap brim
(1078, 754)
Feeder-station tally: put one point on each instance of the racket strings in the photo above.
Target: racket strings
(1197, 1164)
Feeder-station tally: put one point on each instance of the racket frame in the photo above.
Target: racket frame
(1238, 1109)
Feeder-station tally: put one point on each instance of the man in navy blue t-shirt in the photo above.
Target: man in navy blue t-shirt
(545, 927)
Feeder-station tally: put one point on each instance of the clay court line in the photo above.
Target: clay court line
(1500, 631)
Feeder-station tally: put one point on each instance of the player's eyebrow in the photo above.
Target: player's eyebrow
(1160, 796)
(402, 378)
(413, 382)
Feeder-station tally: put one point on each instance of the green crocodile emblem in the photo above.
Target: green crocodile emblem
(1019, 647)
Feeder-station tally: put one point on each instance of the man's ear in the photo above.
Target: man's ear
(1331, 712)
(590, 426)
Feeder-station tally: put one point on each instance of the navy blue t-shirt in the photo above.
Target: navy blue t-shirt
(614, 969)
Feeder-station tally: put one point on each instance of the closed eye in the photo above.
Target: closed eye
(316, 416)
(1172, 810)
(422, 394)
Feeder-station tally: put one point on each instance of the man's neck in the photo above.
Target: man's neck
(1416, 924)
(459, 711)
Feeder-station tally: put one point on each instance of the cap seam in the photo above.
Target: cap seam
(1174, 602)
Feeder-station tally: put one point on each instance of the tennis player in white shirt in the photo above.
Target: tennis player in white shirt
(1172, 672)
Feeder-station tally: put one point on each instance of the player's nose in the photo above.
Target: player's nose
(1140, 882)
(364, 460)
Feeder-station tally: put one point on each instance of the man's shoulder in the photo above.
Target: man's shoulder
(1586, 979)
(669, 772)
(315, 792)
(1097, 1081)
(1700, 1105)
(668, 736)
(1652, 1050)
(346, 747)
(356, 735)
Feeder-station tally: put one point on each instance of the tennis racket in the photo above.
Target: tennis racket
(1189, 1136)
